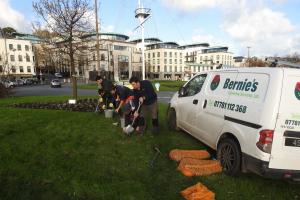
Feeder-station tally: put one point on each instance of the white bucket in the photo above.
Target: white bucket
(108, 113)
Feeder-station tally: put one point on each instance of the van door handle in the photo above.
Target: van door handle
(195, 101)
(204, 104)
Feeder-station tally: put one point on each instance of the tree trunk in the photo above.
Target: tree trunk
(73, 75)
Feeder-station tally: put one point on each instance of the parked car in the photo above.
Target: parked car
(28, 81)
(20, 82)
(8, 84)
(55, 83)
(58, 75)
(250, 116)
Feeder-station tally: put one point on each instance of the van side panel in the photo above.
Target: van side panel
(211, 118)
(245, 106)
(285, 153)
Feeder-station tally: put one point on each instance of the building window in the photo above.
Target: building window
(19, 47)
(20, 58)
(33, 58)
(149, 55)
(0, 58)
(28, 69)
(12, 58)
(102, 57)
(11, 46)
(1, 69)
(165, 54)
(158, 68)
(175, 68)
(27, 58)
(153, 54)
(94, 57)
(170, 61)
(13, 69)
(26, 48)
(180, 55)
(158, 54)
(153, 62)
(165, 61)
(120, 48)
(165, 68)
(170, 54)
(21, 69)
(170, 68)
(175, 61)
(180, 61)
(122, 58)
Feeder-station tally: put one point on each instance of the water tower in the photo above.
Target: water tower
(142, 14)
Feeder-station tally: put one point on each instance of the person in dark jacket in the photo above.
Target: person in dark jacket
(105, 86)
(127, 107)
(144, 92)
(122, 95)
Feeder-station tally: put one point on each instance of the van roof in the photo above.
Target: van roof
(268, 70)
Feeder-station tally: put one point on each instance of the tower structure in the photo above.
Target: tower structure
(142, 14)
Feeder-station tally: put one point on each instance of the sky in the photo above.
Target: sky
(268, 27)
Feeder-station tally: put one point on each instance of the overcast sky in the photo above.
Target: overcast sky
(269, 27)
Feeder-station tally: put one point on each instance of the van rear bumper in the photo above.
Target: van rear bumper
(261, 168)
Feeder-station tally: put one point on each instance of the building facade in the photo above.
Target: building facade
(118, 59)
(16, 58)
(164, 61)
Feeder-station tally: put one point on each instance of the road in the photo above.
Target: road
(45, 90)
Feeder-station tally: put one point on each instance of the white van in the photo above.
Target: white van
(250, 116)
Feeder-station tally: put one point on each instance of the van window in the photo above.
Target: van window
(194, 86)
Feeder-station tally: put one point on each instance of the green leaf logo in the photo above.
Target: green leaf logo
(297, 91)
(215, 82)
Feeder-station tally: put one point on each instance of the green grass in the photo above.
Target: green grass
(48, 154)
(164, 85)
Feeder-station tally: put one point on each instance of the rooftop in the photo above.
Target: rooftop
(117, 35)
(194, 45)
(157, 40)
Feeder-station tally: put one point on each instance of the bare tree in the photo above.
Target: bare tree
(68, 19)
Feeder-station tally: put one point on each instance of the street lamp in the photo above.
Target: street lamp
(248, 56)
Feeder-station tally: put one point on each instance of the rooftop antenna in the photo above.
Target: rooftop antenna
(142, 14)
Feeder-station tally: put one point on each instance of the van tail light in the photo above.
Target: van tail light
(265, 140)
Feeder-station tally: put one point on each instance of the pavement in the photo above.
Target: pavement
(65, 90)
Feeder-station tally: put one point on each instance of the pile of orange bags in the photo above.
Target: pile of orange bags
(193, 163)
(178, 155)
(197, 192)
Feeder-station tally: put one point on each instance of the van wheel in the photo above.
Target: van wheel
(229, 154)
(172, 120)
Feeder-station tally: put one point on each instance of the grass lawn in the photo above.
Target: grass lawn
(48, 154)
(164, 85)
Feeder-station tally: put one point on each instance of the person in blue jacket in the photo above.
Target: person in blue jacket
(144, 92)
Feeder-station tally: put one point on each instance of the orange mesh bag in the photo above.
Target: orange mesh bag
(195, 167)
(177, 154)
(197, 192)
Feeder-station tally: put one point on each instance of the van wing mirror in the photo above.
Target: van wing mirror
(182, 92)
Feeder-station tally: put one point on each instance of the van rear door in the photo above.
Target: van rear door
(285, 153)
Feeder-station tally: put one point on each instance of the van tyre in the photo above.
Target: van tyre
(172, 120)
(229, 154)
